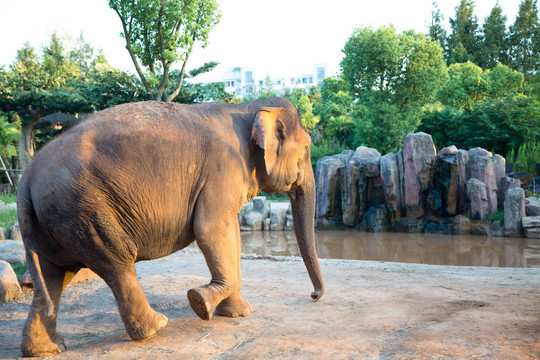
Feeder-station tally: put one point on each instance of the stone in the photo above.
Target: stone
(352, 183)
(447, 151)
(375, 219)
(368, 158)
(446, 184)
(255, 214)
(327, 182)
(461, 225)
(514, 211)
(462, 160)
(418, 159)
(289, 223)
(481, 168)
(9, 286)
(4, 233)
(278, 215)
(477, 194)
(16, 232)
(12, 251)
(529, 222)
(497, 228)
(525, 178)
(499, 168)
(391, 181)
(7, 206)
(533, 233)
(532, 206)
(26, 280)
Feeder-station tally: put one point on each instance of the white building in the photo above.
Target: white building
(242, 81)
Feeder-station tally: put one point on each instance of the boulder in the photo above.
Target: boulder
(418, 158)
(477, 195)
(375, 219)
(514, 211)
(327, 182)
(462, 160)
(499, 168)
(12, 251)
(16, 232)
(7, 206)
(9, 285)
(352, 184)
(368, 158)
(4, 233)
(481, 168)
(391, 181)
(289, 223)
(532, 206)
(255, 214)
(446, 183)
(461, 225)
(278, 216)
(531, 226)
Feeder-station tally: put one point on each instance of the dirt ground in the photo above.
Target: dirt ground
(371, 310)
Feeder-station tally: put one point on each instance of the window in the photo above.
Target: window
(249, 77)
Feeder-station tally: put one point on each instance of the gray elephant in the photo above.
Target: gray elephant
(140, 181)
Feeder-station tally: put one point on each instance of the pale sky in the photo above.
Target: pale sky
(278, 37)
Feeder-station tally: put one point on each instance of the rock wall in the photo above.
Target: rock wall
(415, 190)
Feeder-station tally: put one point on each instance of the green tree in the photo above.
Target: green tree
(524, 39)
(494, 45)
(160, 33)
(503, 81)
(466, 84)
(436, 30)
(463, 42)
(392, 77)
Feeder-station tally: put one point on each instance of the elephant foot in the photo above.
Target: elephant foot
(199, 299)
(146, 326)
(39, 346)
(234, 306)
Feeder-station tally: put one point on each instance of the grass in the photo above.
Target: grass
(7, 218)
(19, 269)
(8, 197)
(498, 216)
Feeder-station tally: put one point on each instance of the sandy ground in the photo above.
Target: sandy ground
(371, 310)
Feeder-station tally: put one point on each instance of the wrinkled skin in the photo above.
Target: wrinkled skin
(140, 181)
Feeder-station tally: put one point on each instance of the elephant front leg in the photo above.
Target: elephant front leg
(218, 237)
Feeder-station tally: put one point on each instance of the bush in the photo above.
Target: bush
(526, 157)
(7, 218)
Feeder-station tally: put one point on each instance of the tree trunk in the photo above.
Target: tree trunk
(26, 144)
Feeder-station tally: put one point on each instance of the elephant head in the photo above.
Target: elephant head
(286, 145)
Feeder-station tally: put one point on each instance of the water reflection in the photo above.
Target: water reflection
(402, 247)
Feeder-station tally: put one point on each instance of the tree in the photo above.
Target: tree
(392, 77)
(466, 84)
(494, 45)
(524, 39)
(436, 30)
(160, 33)
(463, 42)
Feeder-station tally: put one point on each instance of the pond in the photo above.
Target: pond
(463, 250)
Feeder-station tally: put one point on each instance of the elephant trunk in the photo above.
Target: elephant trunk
(303, 208)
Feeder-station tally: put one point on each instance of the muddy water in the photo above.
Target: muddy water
(402, 247)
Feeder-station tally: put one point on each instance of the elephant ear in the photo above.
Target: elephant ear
(268, 131)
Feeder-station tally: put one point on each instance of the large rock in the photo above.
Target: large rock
(278, 215)
(255, 214)
(531, 226)
(12, 251)
(418, 158)
(9, 286)
(375, 219)
(461, 225)
(481, 168)
(7, 206)
(4, 233)
(327, 181)
(477, 194)
(532, 206)
(368, 158)
(391, 180)
(352, 184)
(514, 211)
(16, 232)
(446, 183)
(499, 168)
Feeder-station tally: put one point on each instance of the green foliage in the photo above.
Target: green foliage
(392, 77)
(9, 134)
(466, 84)
(8, 218)
(19, 269)
(498, 216)
(160, 33)
(524, 38)
(436, 30)
(322, 148)
(494, 45)
(8, 197)
(526, 157)
(463, 42)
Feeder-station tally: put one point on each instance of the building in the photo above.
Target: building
(241, 81)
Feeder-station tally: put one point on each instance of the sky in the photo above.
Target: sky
(279, 38)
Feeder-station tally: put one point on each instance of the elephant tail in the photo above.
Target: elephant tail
(29, 226)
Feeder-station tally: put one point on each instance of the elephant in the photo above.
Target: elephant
(140, 181)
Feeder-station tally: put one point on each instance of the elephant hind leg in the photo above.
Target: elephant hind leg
(140, 320)
(39, 334)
